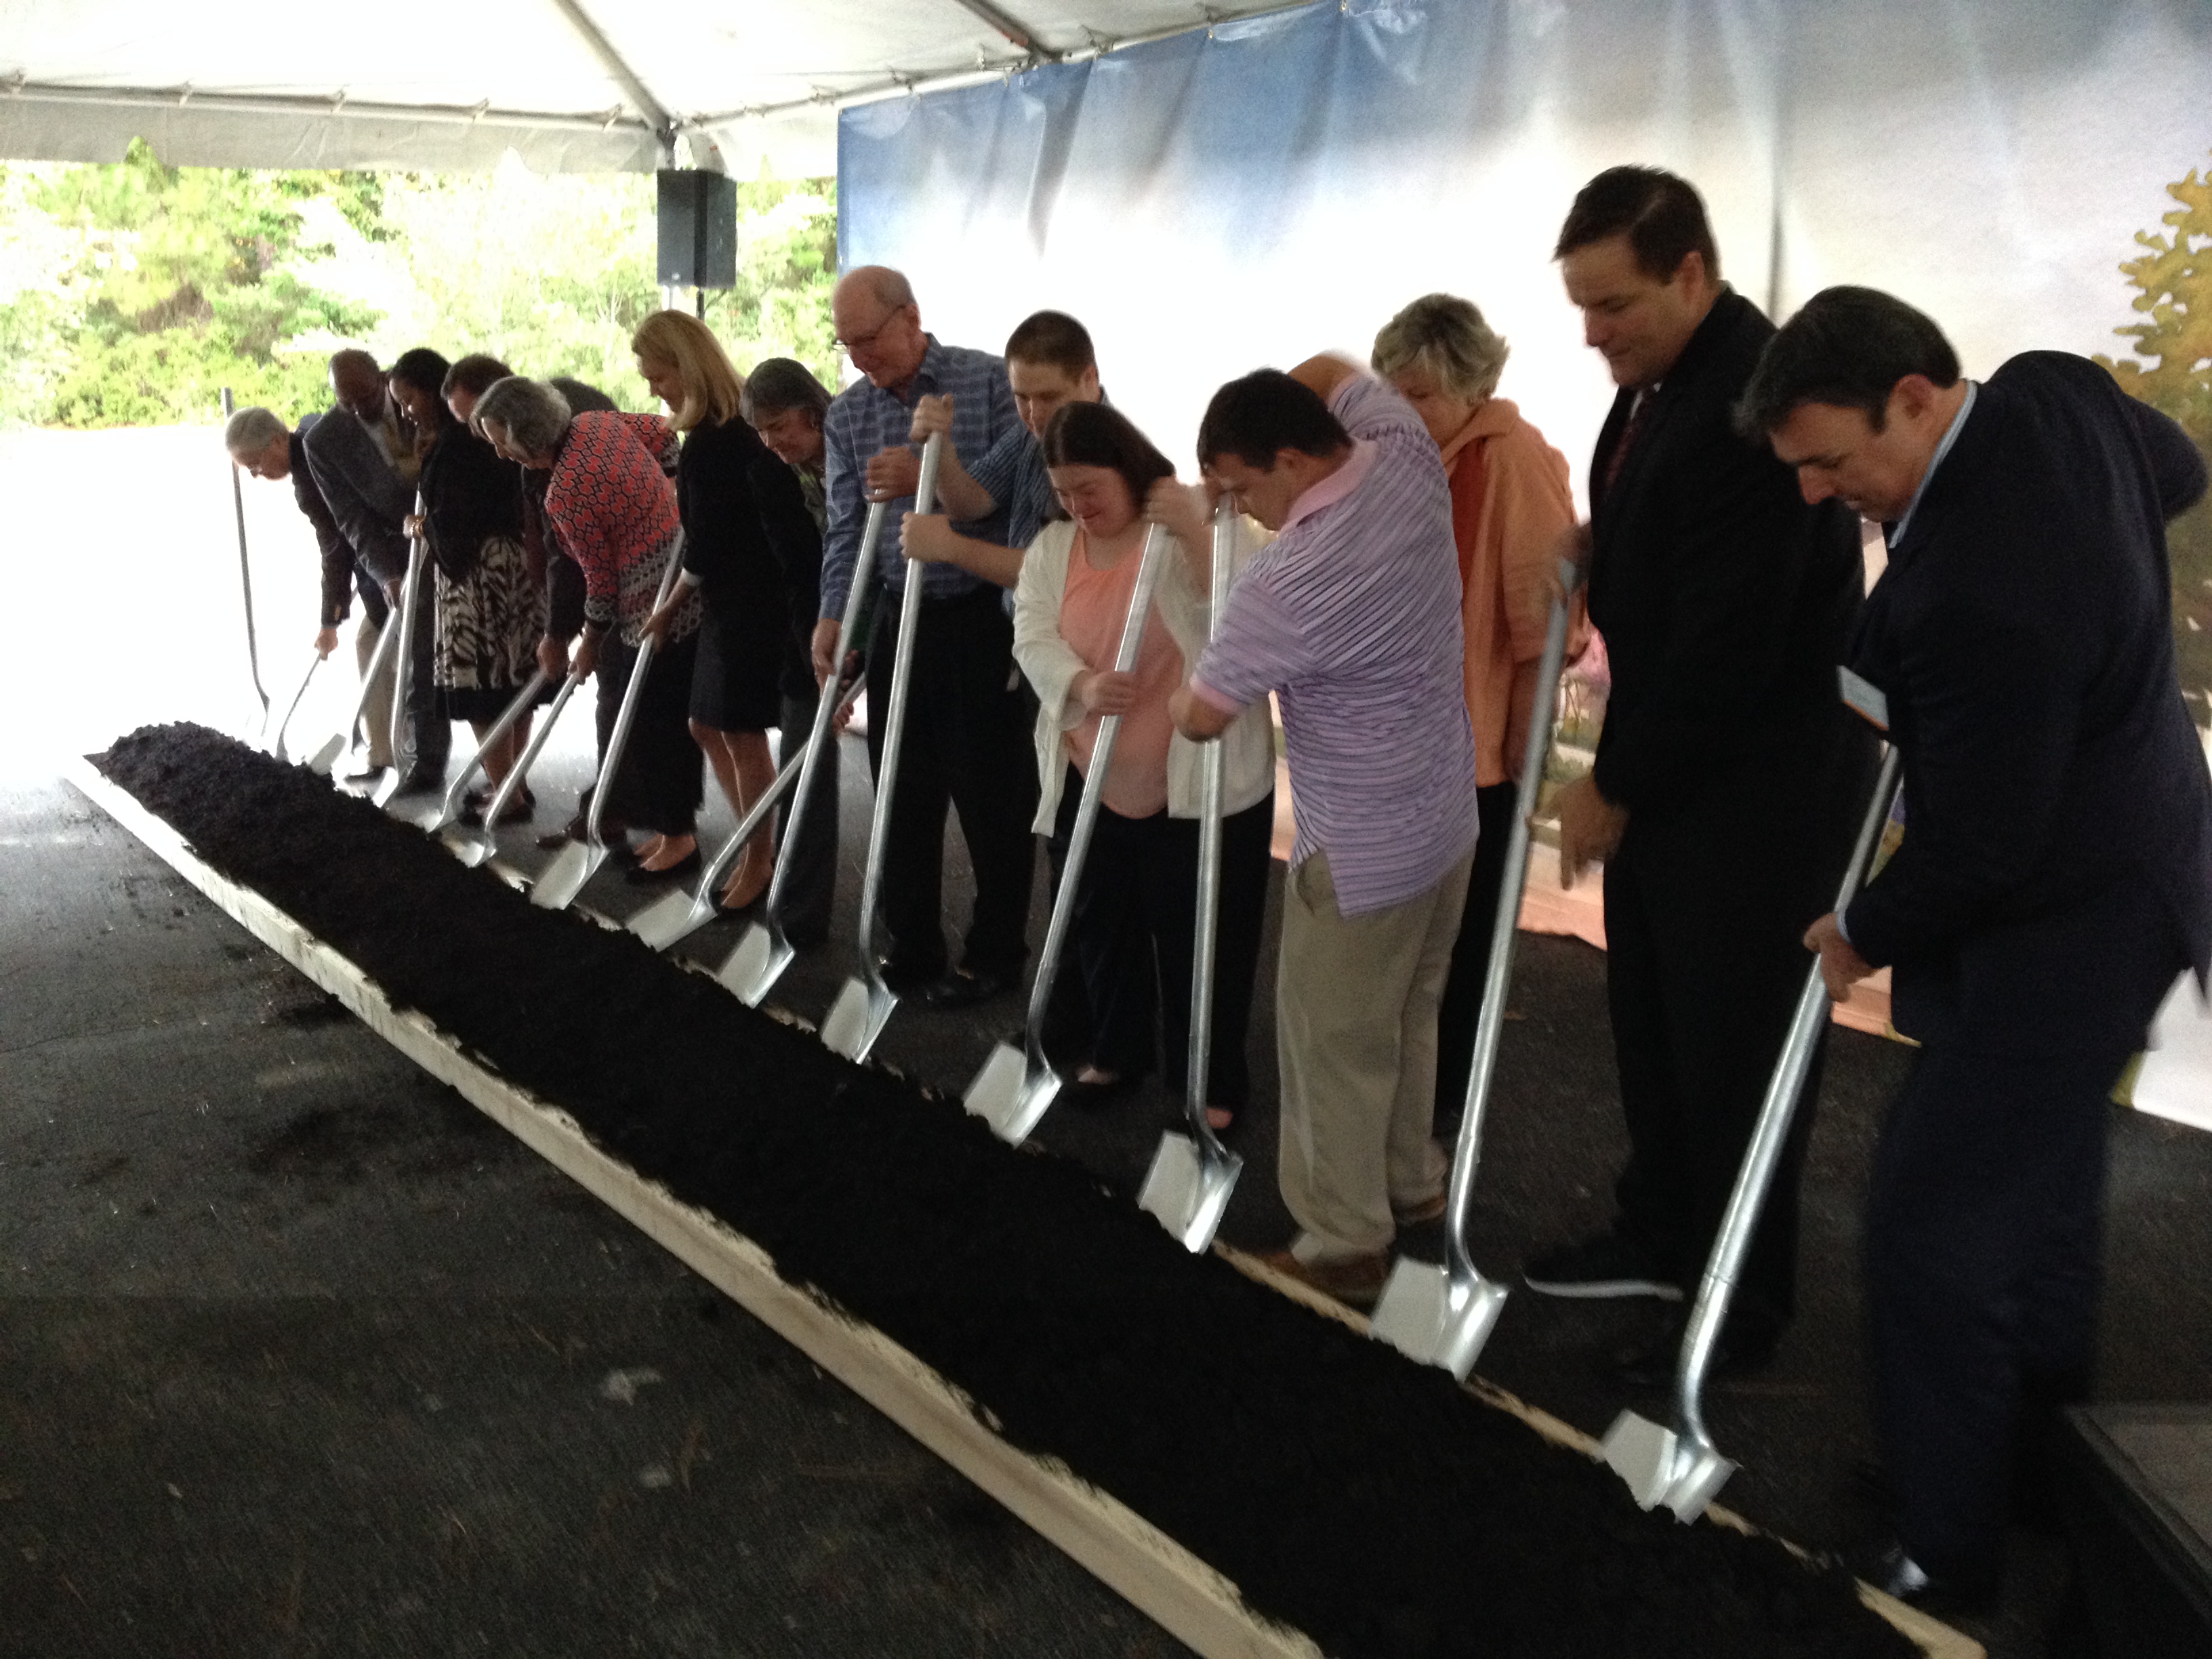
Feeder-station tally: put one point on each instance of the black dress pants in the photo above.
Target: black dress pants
(1983, 1224)
(811, 884)
(1462, 1006)
(966, 745)
(1135, 926)
(1705, 911)
(660, 784)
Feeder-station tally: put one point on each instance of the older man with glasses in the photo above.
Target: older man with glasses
(967, 736)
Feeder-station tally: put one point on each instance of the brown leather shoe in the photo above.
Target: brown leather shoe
(1355, 1280)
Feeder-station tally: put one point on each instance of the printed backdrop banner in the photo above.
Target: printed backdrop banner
(1251, 194)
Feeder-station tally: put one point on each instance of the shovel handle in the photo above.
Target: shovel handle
(245, 579)
(1198, 1063)
(1732, 1244)
(894, 718)
(1504, 933)
(520, 771)
(523, 699)
(618, 739)
(403, 681)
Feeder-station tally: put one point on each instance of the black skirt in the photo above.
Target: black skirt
(734, 686)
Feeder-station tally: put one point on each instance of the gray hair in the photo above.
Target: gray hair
(534, 413)
(778, 383)
(249, 431)
(1446, 336)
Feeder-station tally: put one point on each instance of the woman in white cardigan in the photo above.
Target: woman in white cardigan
(1136, 903)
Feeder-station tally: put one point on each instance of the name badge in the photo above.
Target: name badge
(1863, 698)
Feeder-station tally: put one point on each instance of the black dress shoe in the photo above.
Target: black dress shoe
(421, 780)
(688, 864)
(962, 989)
(1894, 1573)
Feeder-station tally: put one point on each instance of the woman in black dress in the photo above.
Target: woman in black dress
(754, 552)
(490, 607)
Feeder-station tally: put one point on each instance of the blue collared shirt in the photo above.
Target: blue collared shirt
(1950, 437)
(1014, 473)
(865, 420)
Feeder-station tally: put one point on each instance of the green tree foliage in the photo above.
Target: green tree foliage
(130, 295)
(2173, 278)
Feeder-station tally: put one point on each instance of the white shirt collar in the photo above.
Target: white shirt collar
(1950, 437)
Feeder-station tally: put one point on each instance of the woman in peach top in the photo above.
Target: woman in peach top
(1510, 505)
(1136, 903)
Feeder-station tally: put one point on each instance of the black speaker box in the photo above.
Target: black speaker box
(698, 219)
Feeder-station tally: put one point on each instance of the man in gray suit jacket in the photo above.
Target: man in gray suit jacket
(363, 464)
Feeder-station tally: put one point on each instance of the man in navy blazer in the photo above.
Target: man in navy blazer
(2054, 877)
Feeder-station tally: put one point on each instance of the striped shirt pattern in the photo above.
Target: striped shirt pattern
(1014, 473)
(1352, 617)
(864, 420)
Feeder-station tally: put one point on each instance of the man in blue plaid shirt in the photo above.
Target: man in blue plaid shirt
(967, 737)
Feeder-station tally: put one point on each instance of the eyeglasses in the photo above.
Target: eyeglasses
(863, 341)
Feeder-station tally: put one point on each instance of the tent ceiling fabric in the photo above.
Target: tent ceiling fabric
(428, 84)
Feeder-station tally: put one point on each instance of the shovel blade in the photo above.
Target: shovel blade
(1422, 1316)
(1663, 1470)
(471, 847)
(572, 867)
(1009, 1095)
(856, 1019)
(671, 917)
(387, 786)
(325, 758)
(1185, 1192)
(752, 968)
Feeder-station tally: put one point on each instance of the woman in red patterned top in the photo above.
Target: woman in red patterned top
(611, 503)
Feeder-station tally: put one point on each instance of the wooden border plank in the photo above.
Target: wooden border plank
(1193, 1601)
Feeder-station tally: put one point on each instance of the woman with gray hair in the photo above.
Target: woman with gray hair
(1510, 504)
(611, 501)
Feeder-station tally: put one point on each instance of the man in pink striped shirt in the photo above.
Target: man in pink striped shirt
(1352, 617)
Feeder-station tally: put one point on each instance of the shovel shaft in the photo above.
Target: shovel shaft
(1740, 1220)
(1198, 1061)
(618, 739)
(1505, 932)
(246, 580)
(520, 771)
(894, 720)
(818, 741)
(386, 640)
(293, 707)
(410, 592)
(1094, 787)
(457, 793)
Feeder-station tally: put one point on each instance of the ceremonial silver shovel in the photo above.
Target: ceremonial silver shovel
(762, 952)
(276, 749)
(580, 861)
(1187, 1187)
(449, 811)
(1443, 1315)
(864, 1005)
(1014, 1089)
(472, 843)
(1680, 1467)
(328, 751)
(403, 678)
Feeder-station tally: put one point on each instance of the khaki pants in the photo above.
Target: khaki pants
(377, 714)
(1356, 1039)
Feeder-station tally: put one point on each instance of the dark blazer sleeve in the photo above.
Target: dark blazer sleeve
(2177, 465)
(337, 551)
(1739, 554)
(1993, 680)
(471, 496)
(365, 496)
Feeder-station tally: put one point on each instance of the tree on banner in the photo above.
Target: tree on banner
(2173, 278)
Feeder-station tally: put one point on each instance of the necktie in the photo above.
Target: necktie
(1629, 434)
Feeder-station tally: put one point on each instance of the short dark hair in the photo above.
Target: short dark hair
(1849, 347)
(778, 383)
(1099, 434)
(474, 374)
(1660, 212)
(423, 369)
(1264, 413)
(1053, 338)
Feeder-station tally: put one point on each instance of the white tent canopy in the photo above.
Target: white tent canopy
(569, 85)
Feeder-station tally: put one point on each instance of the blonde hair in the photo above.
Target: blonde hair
(712, 388)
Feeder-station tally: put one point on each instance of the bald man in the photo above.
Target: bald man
(967, 737)
(363, 459)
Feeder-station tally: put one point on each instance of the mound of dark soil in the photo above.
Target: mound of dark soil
(1367, 1501)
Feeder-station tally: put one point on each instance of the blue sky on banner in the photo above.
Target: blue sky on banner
(1246, 195)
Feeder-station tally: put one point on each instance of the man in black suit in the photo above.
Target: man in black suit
(2055, 876)
(1727, 778)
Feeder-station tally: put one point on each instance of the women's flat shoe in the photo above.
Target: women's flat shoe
(688, 864)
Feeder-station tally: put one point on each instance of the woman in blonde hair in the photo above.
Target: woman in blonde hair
(752, 550)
